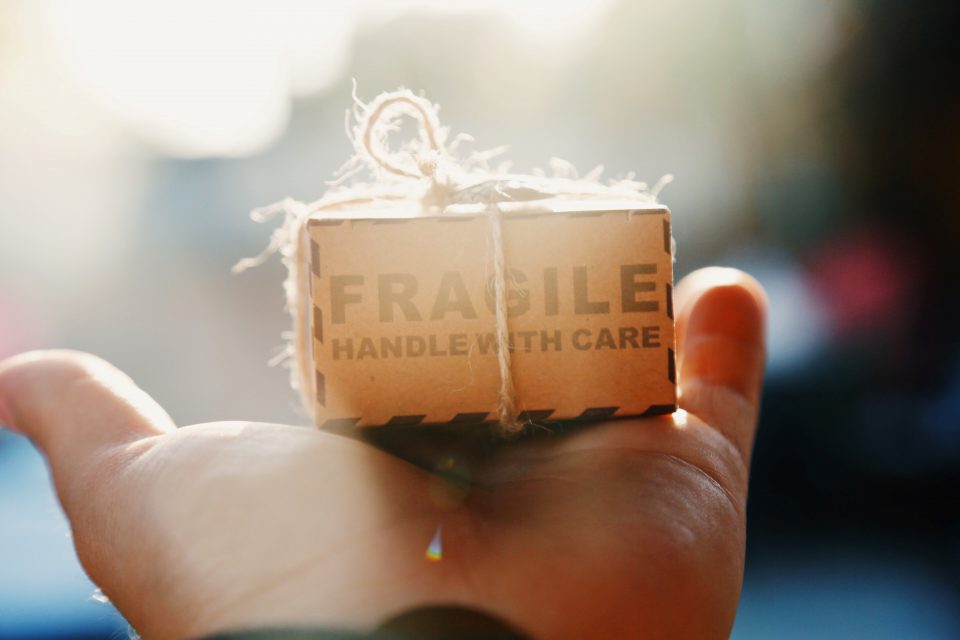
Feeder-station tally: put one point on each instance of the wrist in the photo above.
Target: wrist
(422, 623)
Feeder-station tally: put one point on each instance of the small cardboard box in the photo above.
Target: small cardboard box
(401, 314)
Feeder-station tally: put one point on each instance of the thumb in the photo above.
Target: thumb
(74, 407)
(720, 342)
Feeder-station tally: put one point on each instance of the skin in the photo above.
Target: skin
(629, 528)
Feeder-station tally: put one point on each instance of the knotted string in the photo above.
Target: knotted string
(427, 174)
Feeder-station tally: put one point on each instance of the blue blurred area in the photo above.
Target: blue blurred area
(43, 591)
(884, 595)
(814, 144)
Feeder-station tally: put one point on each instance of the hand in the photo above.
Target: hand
(626, 529)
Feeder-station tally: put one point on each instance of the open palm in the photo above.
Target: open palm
(629, 528)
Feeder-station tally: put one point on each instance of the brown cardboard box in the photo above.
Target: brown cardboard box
(403, 327)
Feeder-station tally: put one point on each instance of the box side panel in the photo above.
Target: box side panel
(602, 342)
(403, 322)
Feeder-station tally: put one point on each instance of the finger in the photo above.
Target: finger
(73, 405)
(721, 317)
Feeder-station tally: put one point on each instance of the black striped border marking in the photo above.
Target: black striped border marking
(659, 410)
(406, 420)
(321, 388)
(318, 323)
(597, 413)
(481, 417)
(670, 301)
(666, 236)
(470, 417)
(320, 381)
(315, 257)
(672, 366)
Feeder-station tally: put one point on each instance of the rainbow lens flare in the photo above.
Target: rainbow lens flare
(434, 552)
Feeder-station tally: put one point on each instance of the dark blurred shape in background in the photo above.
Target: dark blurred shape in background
(814, 143)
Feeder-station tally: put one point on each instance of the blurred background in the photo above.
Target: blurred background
(815, 143)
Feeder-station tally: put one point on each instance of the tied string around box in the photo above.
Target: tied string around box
(424, 171)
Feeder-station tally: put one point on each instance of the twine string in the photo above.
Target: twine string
(506, 403)
(376, 123)
(433, 165)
